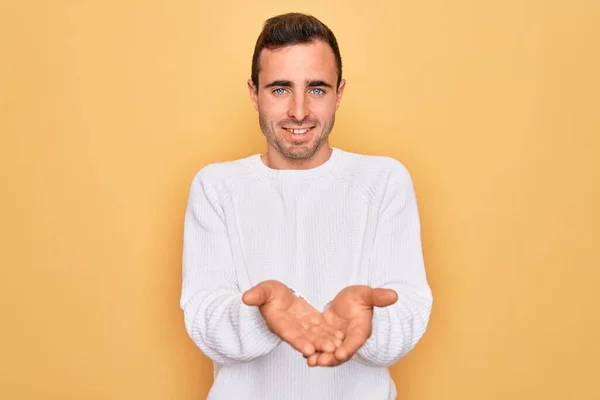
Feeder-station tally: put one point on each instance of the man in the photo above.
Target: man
(303, 274)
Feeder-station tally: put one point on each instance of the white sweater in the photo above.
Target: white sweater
(352, 220)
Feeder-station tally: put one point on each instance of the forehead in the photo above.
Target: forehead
(299, 61)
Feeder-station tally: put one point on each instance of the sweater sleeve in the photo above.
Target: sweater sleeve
(216, 319)
(397, 263)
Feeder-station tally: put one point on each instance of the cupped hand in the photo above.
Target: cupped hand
(292, 319)
(351, 312)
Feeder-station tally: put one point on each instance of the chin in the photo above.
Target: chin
(299, 151)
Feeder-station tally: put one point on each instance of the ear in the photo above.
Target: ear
(340, 93)
(253, 94)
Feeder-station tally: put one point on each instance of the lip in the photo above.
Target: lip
(306, 128)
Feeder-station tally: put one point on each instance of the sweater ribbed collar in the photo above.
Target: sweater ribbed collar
(327, 168)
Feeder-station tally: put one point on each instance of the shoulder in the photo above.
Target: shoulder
(383, 180)
(375, 171)
(222, 178)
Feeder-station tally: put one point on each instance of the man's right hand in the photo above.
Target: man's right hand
(292, 319)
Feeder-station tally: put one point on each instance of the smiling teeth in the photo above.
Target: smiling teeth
(298, 131)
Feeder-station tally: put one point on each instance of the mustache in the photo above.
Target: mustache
(303, 122)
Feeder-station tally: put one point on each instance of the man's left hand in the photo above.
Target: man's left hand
(351, 312)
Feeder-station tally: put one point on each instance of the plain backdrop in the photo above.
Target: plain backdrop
(108, 109)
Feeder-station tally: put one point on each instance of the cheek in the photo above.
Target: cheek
(272, 113)
(273, 109)
(323, 110)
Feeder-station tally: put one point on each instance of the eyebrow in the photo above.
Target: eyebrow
(279, 83)
(284, 83)
(318, 83)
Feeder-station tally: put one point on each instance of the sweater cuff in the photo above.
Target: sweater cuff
(380, 329)
(264, 339)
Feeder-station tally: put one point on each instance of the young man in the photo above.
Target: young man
(307, 256)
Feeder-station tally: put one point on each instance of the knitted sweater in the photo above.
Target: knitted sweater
(353, 220)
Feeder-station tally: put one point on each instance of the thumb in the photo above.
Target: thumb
(382, 297)
(256, 296)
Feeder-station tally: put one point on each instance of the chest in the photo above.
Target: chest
(316, 241)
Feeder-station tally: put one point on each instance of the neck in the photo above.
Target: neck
(275, 160)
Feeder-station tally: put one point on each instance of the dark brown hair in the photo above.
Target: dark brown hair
(293, 28)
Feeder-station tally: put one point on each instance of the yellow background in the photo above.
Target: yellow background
(108, 108)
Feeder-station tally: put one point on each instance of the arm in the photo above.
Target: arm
(216, 319)
(397, 263)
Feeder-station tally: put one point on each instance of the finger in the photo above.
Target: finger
(354, 340)
(299, 342)
(327, 360)
(256, 296)
(315, 339)
(382, 297)
(335, 339)
(312, 360)
(292, 333)
(336, 333)
(323, 344)
(321, 339)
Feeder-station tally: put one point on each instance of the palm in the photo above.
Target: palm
(348, 306)
(351, 312)
(293, 319)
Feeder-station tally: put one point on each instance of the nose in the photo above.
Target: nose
(298, 107)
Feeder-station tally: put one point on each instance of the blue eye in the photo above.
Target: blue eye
(318, 91)
(279, 91)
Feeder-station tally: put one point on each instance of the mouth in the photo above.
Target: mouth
(299, 131)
